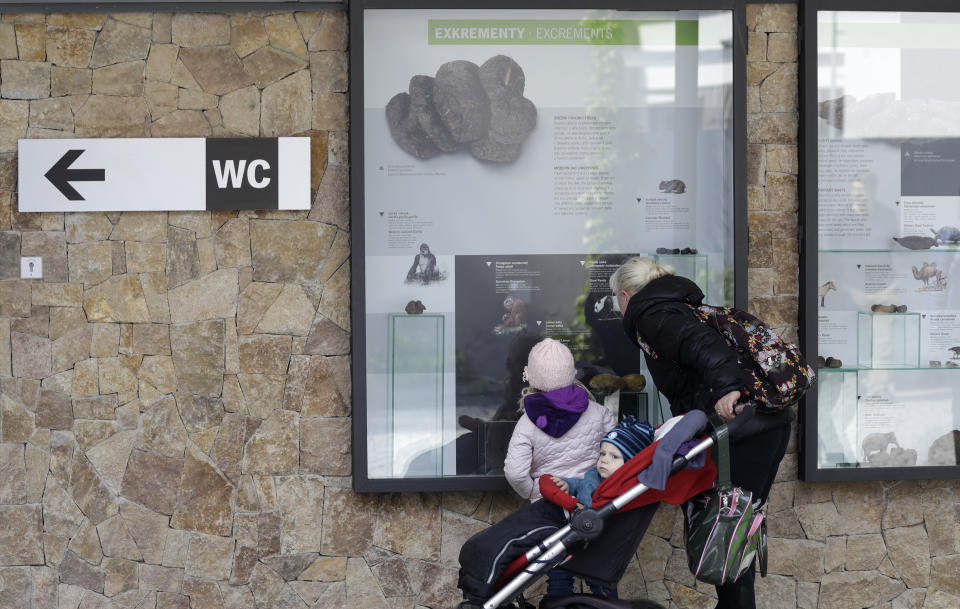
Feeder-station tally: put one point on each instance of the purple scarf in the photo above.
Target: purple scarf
(555, 412)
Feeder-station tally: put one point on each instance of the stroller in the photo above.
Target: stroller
(599, 542)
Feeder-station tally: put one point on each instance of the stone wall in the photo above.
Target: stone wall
(175, 393)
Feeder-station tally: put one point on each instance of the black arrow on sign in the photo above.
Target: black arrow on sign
(60, 175)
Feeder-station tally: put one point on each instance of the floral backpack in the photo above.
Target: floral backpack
(780, 375)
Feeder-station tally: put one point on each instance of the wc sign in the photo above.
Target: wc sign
(164, 174)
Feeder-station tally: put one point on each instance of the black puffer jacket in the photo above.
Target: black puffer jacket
(694, 366)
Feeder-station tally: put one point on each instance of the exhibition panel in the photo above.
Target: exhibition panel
(505, 163)
(882, 208)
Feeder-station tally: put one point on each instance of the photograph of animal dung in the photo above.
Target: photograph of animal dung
(464, 108)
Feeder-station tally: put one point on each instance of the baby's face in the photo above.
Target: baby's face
(610, 459)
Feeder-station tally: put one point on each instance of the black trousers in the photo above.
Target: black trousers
(753, 466)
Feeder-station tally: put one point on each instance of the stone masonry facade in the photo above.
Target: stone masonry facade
(175, 398)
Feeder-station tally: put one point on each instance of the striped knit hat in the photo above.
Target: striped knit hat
(630, 436)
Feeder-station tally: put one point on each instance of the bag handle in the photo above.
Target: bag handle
(721, 444)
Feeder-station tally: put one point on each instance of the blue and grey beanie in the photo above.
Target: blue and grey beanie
(630, 436)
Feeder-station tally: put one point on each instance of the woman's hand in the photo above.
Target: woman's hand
(726, 405)
(561, 484)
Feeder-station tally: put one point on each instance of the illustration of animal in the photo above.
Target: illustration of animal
(925, 273)
(916, 242)
(941, 281)
(956, 352)
(604, 306)
(822, 291)
(676, 187)
(876, 444)
(947, 234)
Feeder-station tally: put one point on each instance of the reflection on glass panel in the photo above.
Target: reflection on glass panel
(888, 213)
(505, 221)
(416, 394)
(889, 340)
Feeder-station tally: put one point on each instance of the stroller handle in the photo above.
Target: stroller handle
(746, 413)
(679, 462)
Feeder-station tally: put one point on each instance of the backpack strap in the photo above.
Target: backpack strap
(721, 446)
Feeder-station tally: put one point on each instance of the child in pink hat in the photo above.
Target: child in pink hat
(559, 432)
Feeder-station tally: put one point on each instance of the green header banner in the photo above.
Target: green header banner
(562, 32)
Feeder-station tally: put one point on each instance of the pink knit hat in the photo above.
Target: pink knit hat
(550, 366)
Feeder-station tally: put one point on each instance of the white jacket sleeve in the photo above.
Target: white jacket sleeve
(516, 466)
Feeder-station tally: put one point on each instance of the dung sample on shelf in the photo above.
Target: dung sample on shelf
(916, 242)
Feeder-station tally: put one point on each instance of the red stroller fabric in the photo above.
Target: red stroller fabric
(680, 486)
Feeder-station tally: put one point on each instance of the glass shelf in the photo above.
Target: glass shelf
(691, 266)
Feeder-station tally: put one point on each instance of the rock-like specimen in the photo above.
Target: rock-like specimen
(512, 116)
(465, 105)
(461, 101)
(424, 113)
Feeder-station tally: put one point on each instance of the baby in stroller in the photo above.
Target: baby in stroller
(487, 558)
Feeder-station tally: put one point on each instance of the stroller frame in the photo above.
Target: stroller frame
(587, 524)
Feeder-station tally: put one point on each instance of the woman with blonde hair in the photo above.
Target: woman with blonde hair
(694, 367)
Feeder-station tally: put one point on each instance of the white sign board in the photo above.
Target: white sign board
(164, 174)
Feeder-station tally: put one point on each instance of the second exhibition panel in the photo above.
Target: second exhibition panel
(883, 135)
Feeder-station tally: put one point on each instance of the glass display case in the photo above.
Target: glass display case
(888, 340)
(415, 419)
(692, 266)
(881, 308)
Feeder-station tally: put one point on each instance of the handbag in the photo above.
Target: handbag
(724, 529)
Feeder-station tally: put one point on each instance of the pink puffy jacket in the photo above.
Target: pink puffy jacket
(533, 452)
